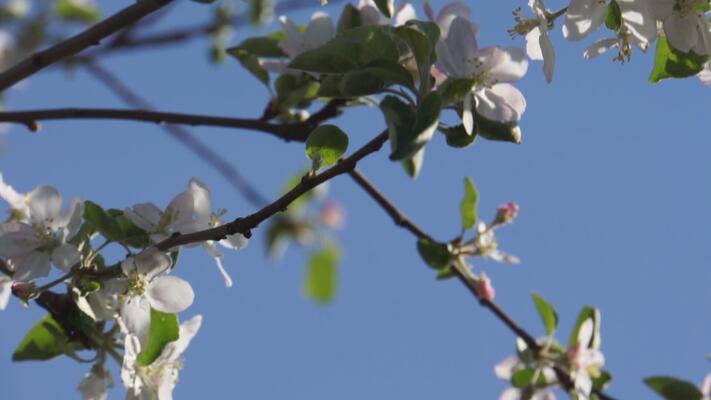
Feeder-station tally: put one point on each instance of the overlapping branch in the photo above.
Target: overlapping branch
(90, 37)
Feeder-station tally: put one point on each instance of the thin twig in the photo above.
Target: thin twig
(90, 37)
(183, 136)
(246, 224)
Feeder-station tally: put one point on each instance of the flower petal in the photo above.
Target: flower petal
(145, 215)
(5, 290)
(600, 47)
(45, 205)
(30, 266)
(583, 17)
(170, 294)
(188, 329)
(548, 56)
(202, 200)
(65, 256)
(135, 314)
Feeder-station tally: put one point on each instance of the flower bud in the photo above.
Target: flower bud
(484, 288)
(506, 213)
(23, 290)
(332, 215)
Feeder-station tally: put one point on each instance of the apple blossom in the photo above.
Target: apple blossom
(447, 14)
(491, 69)
(706, 387)
(156, 380)
(583, 17)
(585, 360)
(705, 74)
(685, 24)
(177, 217)
(319, 31)
(506, 368)
(506, 213)
(148, 287)
(637, 27)
(535, 30)
(95, 384)
(370, 15)
(486, 246)
(31, 248)
(19, 202)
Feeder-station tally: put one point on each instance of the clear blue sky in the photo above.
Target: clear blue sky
(612, 178)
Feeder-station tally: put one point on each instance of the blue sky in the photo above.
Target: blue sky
(612, 179)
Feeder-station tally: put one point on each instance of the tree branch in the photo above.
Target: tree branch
(79, 42)
(227, 170)
(403, 221)
(246, 224)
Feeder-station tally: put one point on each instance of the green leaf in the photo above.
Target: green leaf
(457, 136)
(352, 50)
(261, 46)
(498, 131)
(326, 144)
(102, 221)
(601, 381)
(295, 90)
(673, 389)
(163, 330)
(445, 273)
(585, 313)
(523, 377)
(76, 11)
(322, 275)
(359, 83)
(672, 63)
(251, 63)
(613, 19)
(413, 165)
(350, 18)
(434, 254)
(548, 314)
(422, 48)
(385, 7)
(261, 11)
(41, 342)
(410, 130)
(468, 205)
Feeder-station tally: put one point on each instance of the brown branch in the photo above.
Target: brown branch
(79, 42)
(287, 132)
(223, 166)
(403, 221)
(246, 224)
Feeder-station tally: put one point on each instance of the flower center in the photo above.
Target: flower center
(136, 284)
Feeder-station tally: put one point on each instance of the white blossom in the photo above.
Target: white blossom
(157, 380)
(319, 31)
(585, 360)
(5, 290)
(685, 24)
(30, 248)
(370, 15)
(95, 384)
(535, 30)
(492, 69)
(637, 27)
(149, 287)
(583, 17)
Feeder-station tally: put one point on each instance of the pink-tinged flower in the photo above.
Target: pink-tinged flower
(447, 14)
(508, 366)
(506, 213)
(484, 288)
(487, 247)
(492, 70)
(370, 15)
(585, 359)
(332, 215)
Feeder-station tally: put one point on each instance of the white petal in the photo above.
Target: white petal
(17, 201)
(505, 64)
(135, 314)
(319, 31)
(293, 43)
(467, 114)
(132, 346)
(202, 200)
(30, 266)
(681, 32)
(639, 20)
(705, 74)
(600, 47)
(505, 368)
(145, 215)
(454, 9)
(16, 239)
(583, 17)
(5, 290)
(71, 222)
(533, 45)
(548, 56)
(170, 294)
(461, 40)
(405, 12)
(65, 256)
(585, 332)
(188, 329)
(502, 103)
(236, 241)
(181, 210)
(45, 204)
(510, 394)
(150, 262)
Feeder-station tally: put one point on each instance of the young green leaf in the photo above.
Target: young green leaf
(498, 131)
(385, 7)
(322, 275)
(413, 165)
(410, 130)
(585, 313)
(102, 221)
(673, 389)
(613, 19)
(251, 63)
(672, 63)
(163, 330)
(457, 136)
(40, 343)
(349, 19)
(468, 205)
(326, 144)
(84, 12)
(434, 254)
(548, 314)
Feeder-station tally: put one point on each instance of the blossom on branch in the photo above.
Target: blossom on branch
(370, 15)
(535, 30)
(685, 24)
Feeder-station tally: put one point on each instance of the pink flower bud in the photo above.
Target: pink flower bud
(506, 213)
(332, 215)
(484, 288)
(23, 290)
